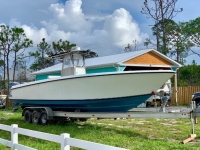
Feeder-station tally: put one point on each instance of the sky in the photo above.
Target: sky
(105, 26)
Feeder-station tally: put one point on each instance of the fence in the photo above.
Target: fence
(184, 94)
(64, 140)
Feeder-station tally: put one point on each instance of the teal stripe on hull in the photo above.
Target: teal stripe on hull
(121, 104)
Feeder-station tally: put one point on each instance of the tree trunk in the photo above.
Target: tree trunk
(157, 38)
(8, 78)
(43, 59)
(4, 66)
(15, 64)
(163, 27)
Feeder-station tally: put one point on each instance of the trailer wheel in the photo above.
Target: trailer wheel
(28, 116)
(36, 117)
(43, 118)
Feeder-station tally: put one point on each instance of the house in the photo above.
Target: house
(149, 59)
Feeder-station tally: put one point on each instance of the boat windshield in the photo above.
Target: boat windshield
(67, 62)
(75, 60)
(78, 60)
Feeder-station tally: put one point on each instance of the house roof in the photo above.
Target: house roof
(117, 59)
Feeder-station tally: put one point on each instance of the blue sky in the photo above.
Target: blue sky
(106, 26)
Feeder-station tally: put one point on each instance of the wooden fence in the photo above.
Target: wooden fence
(184, 95)
(64, 140)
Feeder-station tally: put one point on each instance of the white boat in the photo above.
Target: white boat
(77, 91)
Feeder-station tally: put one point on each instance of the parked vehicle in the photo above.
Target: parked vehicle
(196, 98)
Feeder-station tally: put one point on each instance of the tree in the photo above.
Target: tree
(61, 45)
(21, 43)
(21, 67)
(149, 42)
(161, 10)
(189, 75)
(177, 43)
(2, 62)
(132, 47)
(12, 40)
(192, 30)
(41, 61)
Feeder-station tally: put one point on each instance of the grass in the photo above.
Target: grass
(133, 134)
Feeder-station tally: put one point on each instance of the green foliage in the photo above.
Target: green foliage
(157, 30)
(177, 42)
(12, 40)
(44, 49)
(41, 61)
(1, 62)
(3, 84)
(160, 11)
(62, 45)
(189, 75)
(22, 42)
(192, 29)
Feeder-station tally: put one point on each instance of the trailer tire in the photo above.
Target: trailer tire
(43, 118)
(28, 116)
(36, 117)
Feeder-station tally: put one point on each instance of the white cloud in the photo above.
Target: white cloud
(68, 22)
(69, 17)
(104, 26)
(32, 32)
(121, 28)
(35, 34)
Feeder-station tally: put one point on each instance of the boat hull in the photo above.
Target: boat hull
(121, 104)
(110, 92)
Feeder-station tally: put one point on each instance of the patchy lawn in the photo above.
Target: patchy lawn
(133, 134)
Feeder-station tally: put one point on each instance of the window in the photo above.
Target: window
(67, 63)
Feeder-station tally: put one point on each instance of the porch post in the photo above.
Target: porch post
(176, 91)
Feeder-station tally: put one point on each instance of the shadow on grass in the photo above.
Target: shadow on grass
(59, 126)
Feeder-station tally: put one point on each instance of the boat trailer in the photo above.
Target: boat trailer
(41, 115)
